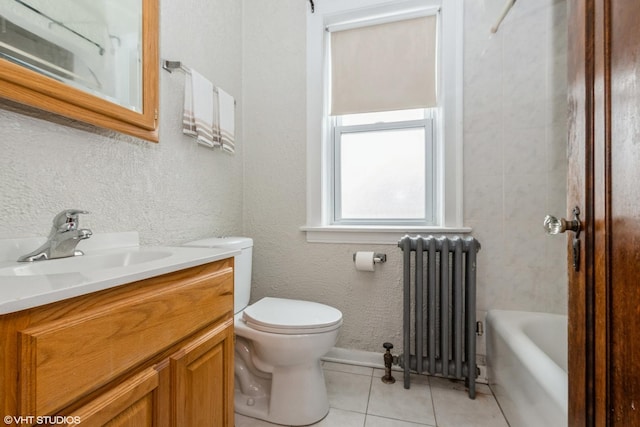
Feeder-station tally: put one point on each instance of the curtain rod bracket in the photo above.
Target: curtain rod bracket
(505, 11)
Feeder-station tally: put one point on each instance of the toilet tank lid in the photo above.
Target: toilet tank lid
(231, 242)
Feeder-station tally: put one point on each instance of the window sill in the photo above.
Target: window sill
(381, 235)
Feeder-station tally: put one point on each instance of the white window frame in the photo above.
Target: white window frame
(334, 196)
(448, 151)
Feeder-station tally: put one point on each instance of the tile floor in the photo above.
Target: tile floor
(358, 398)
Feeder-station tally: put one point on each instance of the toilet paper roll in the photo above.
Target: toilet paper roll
(364, 261)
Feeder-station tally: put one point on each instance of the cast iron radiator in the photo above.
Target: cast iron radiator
(440, 297)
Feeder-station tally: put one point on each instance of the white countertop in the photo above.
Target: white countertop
(19, 292)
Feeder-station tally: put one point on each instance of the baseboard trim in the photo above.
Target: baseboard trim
(349, 356)
(371, 359)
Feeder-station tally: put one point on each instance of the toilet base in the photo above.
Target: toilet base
(298, 397)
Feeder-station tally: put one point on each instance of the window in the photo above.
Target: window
(382, 147)
(383, 168)
(378, 164)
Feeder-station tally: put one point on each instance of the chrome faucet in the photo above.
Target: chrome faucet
(63, 238)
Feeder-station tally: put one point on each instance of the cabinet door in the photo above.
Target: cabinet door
(132, 403)
(202, 379)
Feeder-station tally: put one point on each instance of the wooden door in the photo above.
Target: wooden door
(202, 380)
(604, 181)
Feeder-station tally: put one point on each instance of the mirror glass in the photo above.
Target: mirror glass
(92, 45)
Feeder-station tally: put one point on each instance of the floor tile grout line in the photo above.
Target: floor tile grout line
(433, 405)
(366, 411)
(499, 406)
(401, 420)
(430, 383)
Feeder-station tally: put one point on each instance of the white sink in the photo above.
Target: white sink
(110, 260)
(90, 262)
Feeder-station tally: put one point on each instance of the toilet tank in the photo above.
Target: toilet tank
(242, 265)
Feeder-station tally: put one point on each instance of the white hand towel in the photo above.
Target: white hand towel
(227, 115)
(199, 109)
(188, 121)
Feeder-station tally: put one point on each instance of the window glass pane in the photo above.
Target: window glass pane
(382, 117)
(383, 174)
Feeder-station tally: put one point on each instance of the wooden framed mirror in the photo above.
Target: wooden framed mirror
(95, 61)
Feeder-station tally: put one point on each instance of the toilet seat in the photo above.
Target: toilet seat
(291, 317)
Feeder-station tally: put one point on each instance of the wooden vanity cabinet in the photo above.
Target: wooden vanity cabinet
(158, 352)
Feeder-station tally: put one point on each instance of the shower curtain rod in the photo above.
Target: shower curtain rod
(505, 11)
(46, 63)
(62, 25)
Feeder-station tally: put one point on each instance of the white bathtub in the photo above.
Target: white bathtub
(527, 366)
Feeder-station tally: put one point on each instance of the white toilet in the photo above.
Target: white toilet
(279, 343)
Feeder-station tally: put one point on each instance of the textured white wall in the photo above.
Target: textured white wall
(515, 137)
(170, 192)
(514, 155)
(275, 190)
(176, 191)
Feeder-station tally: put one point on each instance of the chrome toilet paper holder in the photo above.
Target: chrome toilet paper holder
(377, 258)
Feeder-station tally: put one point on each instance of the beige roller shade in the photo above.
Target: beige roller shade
(384, 67)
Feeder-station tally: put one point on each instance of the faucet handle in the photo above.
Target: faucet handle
(67, 220)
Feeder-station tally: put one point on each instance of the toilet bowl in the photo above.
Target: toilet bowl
(279, 343)
(269, 341)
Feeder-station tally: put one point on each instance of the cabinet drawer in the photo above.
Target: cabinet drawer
(64, 359)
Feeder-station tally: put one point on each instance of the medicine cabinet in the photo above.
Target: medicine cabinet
(95, 61)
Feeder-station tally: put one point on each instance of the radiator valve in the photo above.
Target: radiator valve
(388, 361)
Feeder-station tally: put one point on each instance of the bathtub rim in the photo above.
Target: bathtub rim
(519, 344)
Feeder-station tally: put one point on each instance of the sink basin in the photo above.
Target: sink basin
(79, 264)
(110, 259)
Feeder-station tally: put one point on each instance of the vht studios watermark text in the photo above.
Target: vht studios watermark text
(40, 419)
